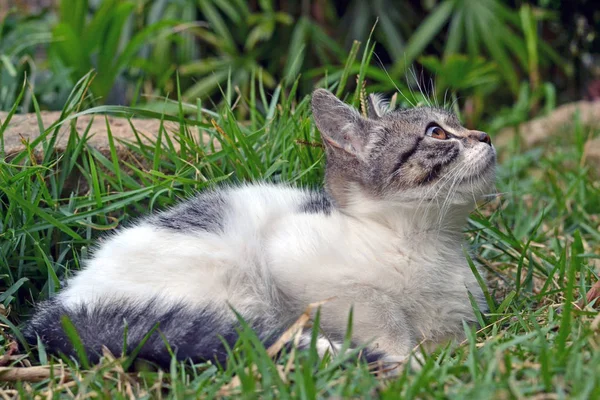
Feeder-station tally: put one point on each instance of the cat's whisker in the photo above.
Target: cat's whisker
(454, 102)
(423, 95)
(383, 67)
(433, 92)
(473, 188)
(461, 173)
(426, 196)
(408, 84)
(445, 203)
(406, 98)
(448, 177)
(495, 195)
(445, 94)
(423, 87)
(440, 185)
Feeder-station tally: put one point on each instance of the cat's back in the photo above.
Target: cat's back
(201, 240)
(238, 211)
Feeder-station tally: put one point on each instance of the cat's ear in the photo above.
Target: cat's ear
(377, 106)
(341, 126)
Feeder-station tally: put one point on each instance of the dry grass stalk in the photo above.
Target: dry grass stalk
(294, 333)
(296, 328)
(29, 374)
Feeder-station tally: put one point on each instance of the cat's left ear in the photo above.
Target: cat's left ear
(342, 128)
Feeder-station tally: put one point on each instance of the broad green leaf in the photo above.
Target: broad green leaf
(425, 33)
(218, 25)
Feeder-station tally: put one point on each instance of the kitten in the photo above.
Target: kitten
(384, 239)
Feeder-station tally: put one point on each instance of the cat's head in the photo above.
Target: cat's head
(408, 156)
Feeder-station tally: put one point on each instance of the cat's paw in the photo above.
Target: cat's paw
(323, 344)
(393, 365)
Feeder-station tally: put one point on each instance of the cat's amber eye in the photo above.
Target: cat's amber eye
(436, 132)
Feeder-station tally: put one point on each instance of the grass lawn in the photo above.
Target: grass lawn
(538, 242)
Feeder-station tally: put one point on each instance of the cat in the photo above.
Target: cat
(383, 239)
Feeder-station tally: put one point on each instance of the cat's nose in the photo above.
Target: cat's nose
(481, 137)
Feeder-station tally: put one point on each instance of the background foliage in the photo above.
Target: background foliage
(488, 53)
(496, 62)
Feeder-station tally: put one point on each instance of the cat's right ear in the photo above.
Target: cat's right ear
(377, 106)
(341, 126)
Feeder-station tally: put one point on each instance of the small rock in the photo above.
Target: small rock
(25, 127)
(559, 121)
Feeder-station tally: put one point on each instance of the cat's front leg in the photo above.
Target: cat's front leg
(382, 363)
(324, 345)
(378, 325)
(392, 364)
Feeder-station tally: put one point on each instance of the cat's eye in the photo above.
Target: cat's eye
(436, 132)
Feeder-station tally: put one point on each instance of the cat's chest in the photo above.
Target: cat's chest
(323, 253)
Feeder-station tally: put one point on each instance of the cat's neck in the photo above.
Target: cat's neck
(414, 219)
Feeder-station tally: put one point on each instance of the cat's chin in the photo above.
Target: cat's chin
(473, 194)
(467, 192)
(480, 162)
(479, 182)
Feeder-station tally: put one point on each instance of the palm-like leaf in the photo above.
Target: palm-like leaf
(100, 43)
(477, 27)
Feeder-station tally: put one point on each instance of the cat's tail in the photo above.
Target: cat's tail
(149, 327)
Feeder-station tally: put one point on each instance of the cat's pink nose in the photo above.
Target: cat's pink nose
(481, 137)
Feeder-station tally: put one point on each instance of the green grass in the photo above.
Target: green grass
(538, 243)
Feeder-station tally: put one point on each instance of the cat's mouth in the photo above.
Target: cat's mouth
(481, 169)
(475, 164)
(476, 175)
(474, 179)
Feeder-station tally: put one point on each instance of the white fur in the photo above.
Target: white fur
(322, 345)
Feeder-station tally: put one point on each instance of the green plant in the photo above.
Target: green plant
(396, 22)
(263, 42)
(527, 101)
(160, 60)
(473, 78)
(103, 42)
(485, 27)
(235, 55)
(537, 244)
(19, 38)
(139, 48)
